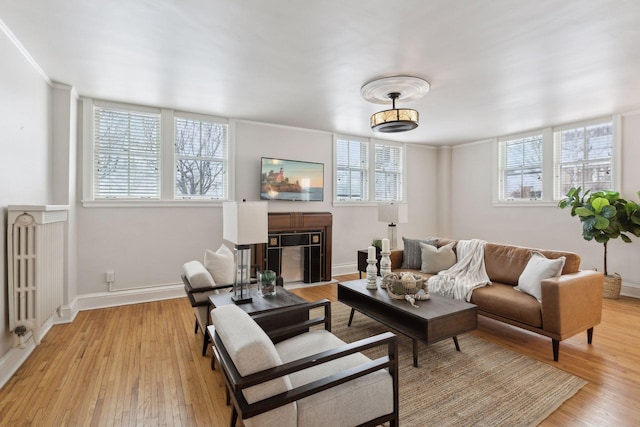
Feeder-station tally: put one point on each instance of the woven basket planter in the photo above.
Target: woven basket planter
(612, 285)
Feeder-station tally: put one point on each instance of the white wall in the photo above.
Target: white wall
(548, 227)
(147, 246)
(25, 167)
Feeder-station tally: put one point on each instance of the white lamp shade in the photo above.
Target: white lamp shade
(393, 213)
(245, 223)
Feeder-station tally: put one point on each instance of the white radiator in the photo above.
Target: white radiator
(36, 259)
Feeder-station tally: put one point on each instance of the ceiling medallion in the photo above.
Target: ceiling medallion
(394, 88)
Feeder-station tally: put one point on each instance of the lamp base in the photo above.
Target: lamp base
(391, 235)
(241, 299)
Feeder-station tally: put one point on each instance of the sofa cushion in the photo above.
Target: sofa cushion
(197, 275)
(435, 259)
(412, 256)
(505, 263)
(371, 395)
(252, 351)
(538, 268)
(503, 300)
(220, 264)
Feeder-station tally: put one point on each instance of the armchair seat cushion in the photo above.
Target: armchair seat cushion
(349, 404)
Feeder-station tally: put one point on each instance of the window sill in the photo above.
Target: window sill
(120, 203)
(526, 204)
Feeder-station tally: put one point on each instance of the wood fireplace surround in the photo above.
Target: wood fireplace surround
(312, 231)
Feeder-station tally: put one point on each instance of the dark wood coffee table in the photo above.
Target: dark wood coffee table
(434, 320)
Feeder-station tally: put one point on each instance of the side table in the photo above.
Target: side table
(282, 299)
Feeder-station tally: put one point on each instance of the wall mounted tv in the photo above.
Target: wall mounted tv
(291, 180)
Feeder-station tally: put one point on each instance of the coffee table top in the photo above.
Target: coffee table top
(282, 298)
(435, 307)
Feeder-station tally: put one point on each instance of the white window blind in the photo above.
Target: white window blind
(388, 172)
(126, 154)
(521, 168)
(583, 158)
(201, 155)
(352, 170)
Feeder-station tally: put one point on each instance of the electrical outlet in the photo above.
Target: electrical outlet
(109, 277)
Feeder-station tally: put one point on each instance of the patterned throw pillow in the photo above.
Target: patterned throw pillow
(412, 256)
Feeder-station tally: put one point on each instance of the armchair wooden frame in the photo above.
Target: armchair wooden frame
(201, 323)
(236, 383)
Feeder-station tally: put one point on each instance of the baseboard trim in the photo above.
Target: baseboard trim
(126, 297)
(11, 362)
(342, 269)
(630, 290)
(69, 313)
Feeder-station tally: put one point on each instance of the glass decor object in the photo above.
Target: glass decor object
(267, 283)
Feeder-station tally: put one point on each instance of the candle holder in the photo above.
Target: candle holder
(385, 266)
(372, 274)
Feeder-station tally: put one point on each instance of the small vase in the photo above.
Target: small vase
(267, 283)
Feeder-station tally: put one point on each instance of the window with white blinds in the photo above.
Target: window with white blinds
(201, 156)
(352, 170)
(521, 168)
(388, 172)
(126, 154)
(583, 158)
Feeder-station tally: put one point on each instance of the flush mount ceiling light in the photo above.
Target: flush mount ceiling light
(403, 88)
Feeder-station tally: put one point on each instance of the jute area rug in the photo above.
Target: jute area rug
(482, 385)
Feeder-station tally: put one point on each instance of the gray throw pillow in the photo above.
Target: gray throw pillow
(435, 260)
(412, 256)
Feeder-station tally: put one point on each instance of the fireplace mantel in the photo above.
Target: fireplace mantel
(300, 222)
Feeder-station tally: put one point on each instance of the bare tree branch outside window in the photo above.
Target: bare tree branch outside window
(201, 150)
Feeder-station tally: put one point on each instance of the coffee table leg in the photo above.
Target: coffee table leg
(415, 353)
(455, 341)
(353, 310)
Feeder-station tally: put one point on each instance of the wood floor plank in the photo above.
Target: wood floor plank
(142, 365)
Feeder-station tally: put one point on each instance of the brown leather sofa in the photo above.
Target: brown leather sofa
(571, 303)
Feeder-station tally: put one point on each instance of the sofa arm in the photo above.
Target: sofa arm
(396, 257)
(571, 303)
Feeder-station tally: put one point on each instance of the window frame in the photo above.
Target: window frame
(167, 163)
(613, 159)
(549, 168)
(365, 170)
(502, 168)
(371, 196)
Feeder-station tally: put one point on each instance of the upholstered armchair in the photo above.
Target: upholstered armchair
(311, 379)
(198, 285)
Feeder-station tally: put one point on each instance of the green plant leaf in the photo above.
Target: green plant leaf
(608, 211)
(599, 203)
(562, 204)
(601, 222)
(582, 211)
(625, 238)
(602, 238)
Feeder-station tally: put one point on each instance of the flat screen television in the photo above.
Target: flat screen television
(283, 179)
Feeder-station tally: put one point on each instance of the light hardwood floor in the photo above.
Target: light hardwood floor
(141, 365)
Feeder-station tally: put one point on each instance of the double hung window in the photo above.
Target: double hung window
(521, 168)
(126, 154)
(201, 158)
(583, 157)
(143, 154)
(364, 168)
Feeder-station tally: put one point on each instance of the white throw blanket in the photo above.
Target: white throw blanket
(465, 275)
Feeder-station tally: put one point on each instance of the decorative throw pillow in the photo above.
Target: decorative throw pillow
(435, 259)
(220, 264)
(538, 268)
(412, 255)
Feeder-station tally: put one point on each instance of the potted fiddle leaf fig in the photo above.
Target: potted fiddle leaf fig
(604, 216)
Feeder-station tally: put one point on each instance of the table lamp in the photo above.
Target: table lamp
(393, 213)
(244, 224)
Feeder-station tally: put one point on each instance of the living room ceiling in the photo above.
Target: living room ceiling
(496, 67)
